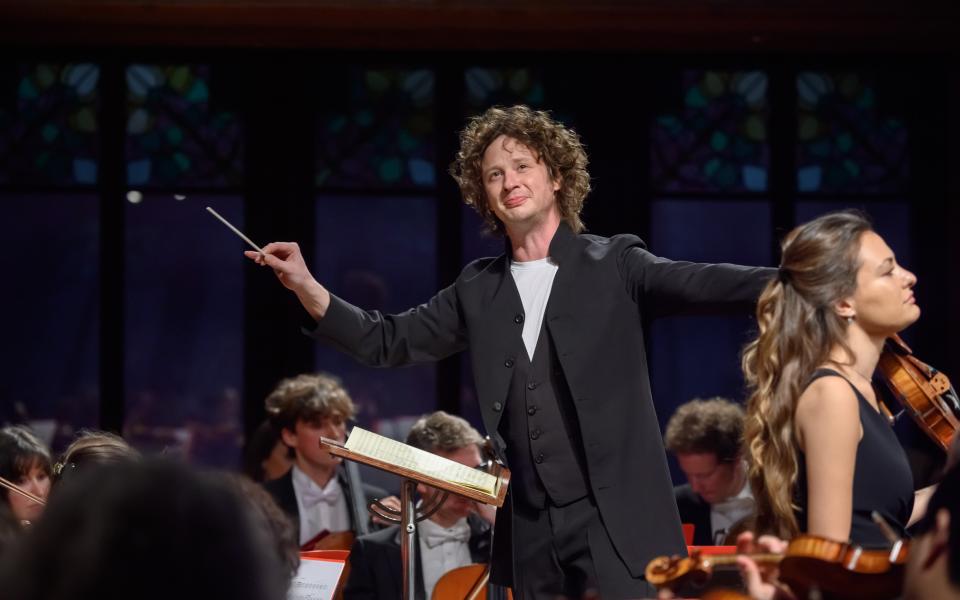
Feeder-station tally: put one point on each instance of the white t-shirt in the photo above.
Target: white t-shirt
(534, 281)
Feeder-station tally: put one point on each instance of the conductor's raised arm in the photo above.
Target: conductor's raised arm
(287, 263)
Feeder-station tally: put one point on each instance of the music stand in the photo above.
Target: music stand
(409, 515)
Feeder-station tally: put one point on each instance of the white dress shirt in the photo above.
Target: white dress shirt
(725, 514)
(442, 549)
(320, 507)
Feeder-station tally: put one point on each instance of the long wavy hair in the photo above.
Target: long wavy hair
(798, 327)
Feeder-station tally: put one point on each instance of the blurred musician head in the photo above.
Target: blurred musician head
(933, 568)
(705, 437)
(24, 461)
(92, 448)
(150, 530)
(266, 457)
(304, 409)
(282, 532)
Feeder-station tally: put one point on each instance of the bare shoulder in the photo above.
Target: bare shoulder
(828, 407)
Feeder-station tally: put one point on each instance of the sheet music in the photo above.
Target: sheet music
(399, 454)
(315, 579)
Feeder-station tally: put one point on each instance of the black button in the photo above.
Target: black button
(539, 458)
(532, 410)
(518, 319)
(532, 385)
(508, 363)
(497, 406)
(534, 434)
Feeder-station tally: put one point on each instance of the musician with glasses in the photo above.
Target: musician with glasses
(705, 437)
(457, 535)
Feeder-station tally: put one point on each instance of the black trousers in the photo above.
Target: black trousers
(564, 552)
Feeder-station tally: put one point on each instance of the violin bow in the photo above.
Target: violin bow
(896, 542)
(17, 489)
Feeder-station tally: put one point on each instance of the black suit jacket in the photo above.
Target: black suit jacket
(602, 292)
(696, 511)
(376, 570)
(283, 494)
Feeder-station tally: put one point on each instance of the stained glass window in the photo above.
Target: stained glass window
(175, 137)
(503, 86)
(716, 140)
(846, 141)
(183, 340)
(380, 131)
(48, 124)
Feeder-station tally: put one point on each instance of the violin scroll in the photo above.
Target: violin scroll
(674, 571)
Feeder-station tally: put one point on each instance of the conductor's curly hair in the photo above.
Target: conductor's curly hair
(553, 143)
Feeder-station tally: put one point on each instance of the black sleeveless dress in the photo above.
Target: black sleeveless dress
(882, 480)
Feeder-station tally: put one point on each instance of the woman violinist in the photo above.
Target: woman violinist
(25, 462)
(822, 456)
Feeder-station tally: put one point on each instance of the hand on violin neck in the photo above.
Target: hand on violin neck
(769, 544)
(761, 580)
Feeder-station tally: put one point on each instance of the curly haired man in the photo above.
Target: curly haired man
(554, 328)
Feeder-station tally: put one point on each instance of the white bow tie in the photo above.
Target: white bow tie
(314, 495)
(437, 535)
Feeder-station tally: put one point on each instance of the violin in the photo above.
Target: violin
(842, 570)
(925, 393)
(696, 569)
(833, 569)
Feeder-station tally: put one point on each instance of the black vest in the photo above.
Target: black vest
(544, 449)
